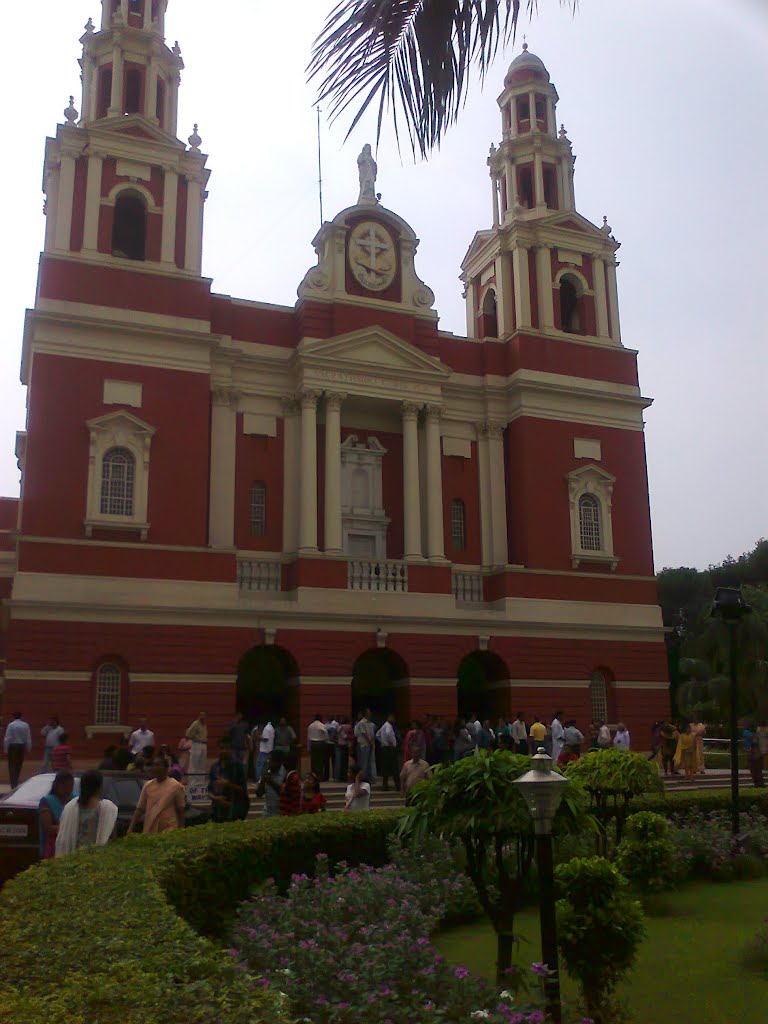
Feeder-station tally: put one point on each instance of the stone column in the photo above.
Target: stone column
(193, 253)
(435, 533)
(411, 497)
(522, 284)
(613, 300)
(601, 300)
(333, 472)
(147, 15)
(170, 202)
(538, 179)
(92, 203)
(498, 492)
(291, 486)
(532, 111)
(544, 284)
(116, 101)
(308, 480)
(150, 99)
(221, 517)
(504, 293)
(64, 201)
(495, 197)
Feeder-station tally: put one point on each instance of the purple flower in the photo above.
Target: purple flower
(461, 973)
(541, 971)
(537, 1017)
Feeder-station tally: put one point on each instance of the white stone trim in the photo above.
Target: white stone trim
(565, 684)
(124, 430)
(599, 483)
(131, 186)
(47, 676)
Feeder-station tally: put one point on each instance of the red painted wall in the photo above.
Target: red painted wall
(66, 393)
(461, 481)
(539, 454)
(259, 458)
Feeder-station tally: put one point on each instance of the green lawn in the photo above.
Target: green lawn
(689, 967)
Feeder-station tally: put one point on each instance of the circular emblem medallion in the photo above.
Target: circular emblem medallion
(372, 256)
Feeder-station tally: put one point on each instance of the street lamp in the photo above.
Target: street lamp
(730, 606)
(543, 790)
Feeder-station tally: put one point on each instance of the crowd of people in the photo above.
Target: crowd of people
(679, 747)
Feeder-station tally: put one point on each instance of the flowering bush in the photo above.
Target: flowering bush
(356, 945)
(436, 860)
(705, 848)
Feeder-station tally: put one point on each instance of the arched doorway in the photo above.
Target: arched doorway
(266, 688)
(478, 674)
(375, 676)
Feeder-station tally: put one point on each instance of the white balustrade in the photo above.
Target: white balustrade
(389, 577)
(259, 575)
(467, 586)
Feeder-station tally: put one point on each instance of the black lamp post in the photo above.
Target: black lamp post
(730, 606)
(543, 790)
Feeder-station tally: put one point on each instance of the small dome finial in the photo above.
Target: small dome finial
(70, 113)
(89, 27)
(606, 228)
(525, 43)
(194, 140)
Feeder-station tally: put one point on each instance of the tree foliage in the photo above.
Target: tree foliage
(473, 801)
(412, 57)
(611, 778)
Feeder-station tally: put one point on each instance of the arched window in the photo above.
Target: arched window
(541, 113)
(105, 92)
(570, 320)
(525, 188)
(133, 92)
(108, 684)
(550, 186)
(129, 228)
(489, 322)
(523, 114)
(118, 474)
(589, 523)
(258, 509)
(598, 695)
(458, 525)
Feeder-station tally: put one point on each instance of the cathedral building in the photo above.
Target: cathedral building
(227, 503)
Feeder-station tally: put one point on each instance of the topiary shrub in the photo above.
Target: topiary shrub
(134, 912)
(646, 855)
(600, 928)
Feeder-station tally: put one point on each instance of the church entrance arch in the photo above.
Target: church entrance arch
(482, 686)
(380, 682)
(267, 685)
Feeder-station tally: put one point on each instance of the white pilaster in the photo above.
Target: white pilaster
(495, 197)
(291, 485)
(601, 299)
(170, 202)
(333, 472)
(613, 300)
(116, 102)
(148, 15)
(411, 497)
(532, 111)
(469, 301)
(511, 172)
(193, 250)
(64, 201)
(150, 103)
(172, 105)
(544, 286)
(221, 515)
(522, 283)
(486, 534)
(308, 480)
(435, 533)
(92, 203)
(498, 492)
(504, 293)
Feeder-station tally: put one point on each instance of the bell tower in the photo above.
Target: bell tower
(542, 267)
(119, 184)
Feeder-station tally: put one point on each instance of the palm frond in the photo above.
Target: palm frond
(414, 55)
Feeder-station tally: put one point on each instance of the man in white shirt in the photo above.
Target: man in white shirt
(621, 739)
(365, 734)
(51, 734)
(558, 736)
(520, 734)
(141, 738)
(317, 741)
(388, 749)
(16, 743)
(266, 746)
(603, 737)
(474, 725)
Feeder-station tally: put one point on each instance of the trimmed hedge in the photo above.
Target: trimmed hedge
(117, 933)
(704, 800)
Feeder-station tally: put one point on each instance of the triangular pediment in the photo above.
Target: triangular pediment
(572, 221)
(138, 127)
(120, 421)
(373, 349)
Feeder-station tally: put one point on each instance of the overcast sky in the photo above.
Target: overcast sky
(666, 106)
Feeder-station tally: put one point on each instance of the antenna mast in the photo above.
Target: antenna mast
(319, 166)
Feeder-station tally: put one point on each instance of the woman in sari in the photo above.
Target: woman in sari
(51, 808)
(685, 757)
(198, 755)
(88, 820)
(699, 729)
